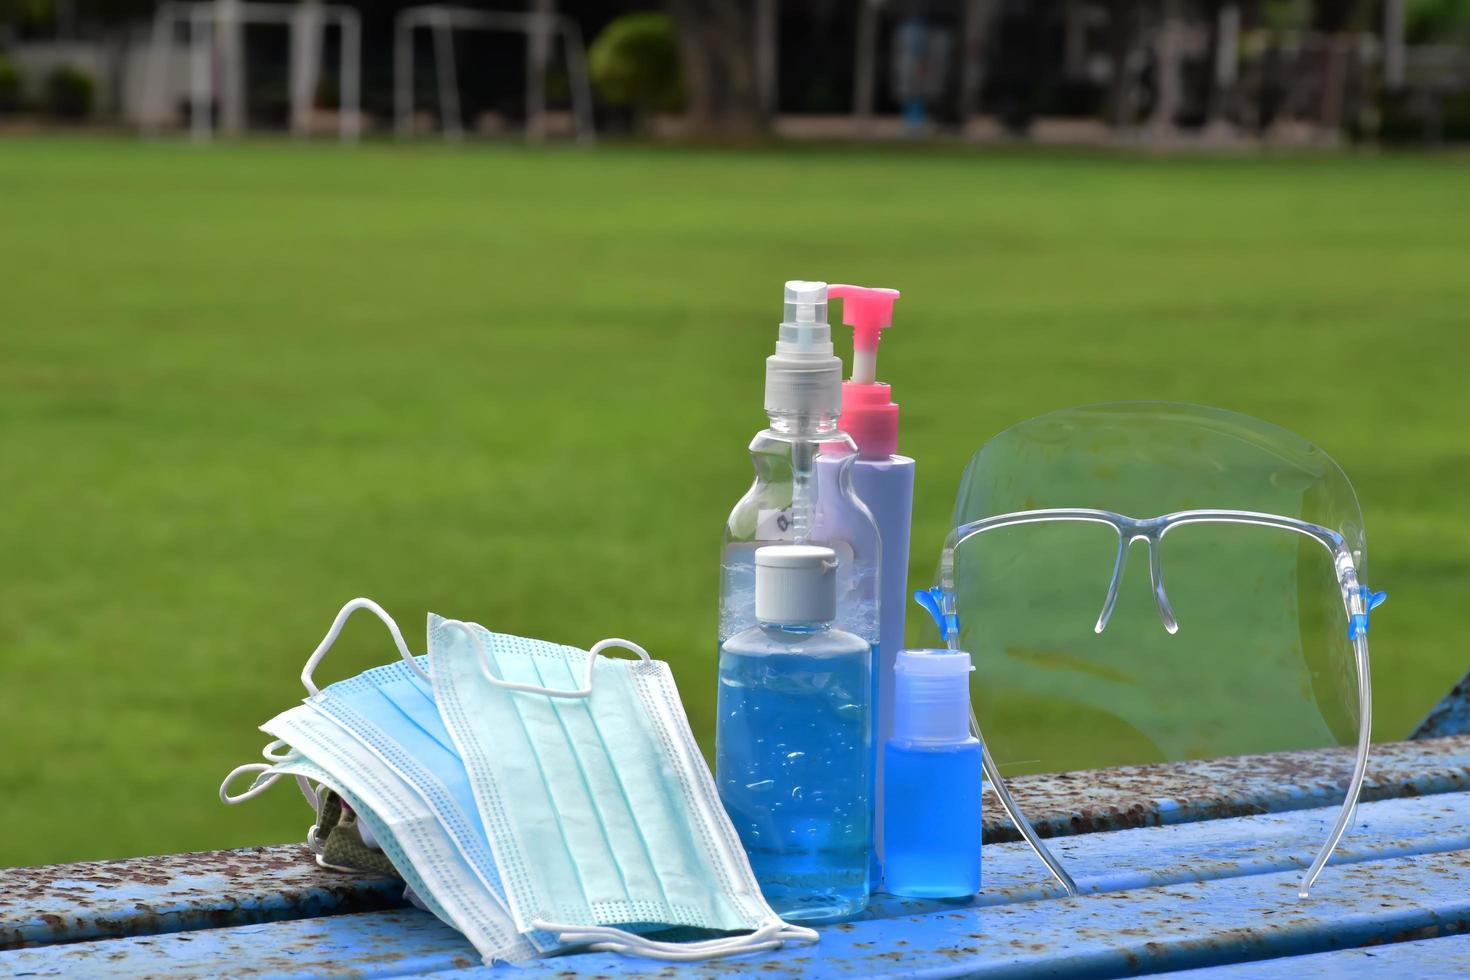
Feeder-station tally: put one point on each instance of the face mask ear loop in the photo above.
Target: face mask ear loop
(256, 788)
(771, 935)
(272, 751)
(331, 637)
(273, 754)
(584, 691)
(767, 936)
(313, 798)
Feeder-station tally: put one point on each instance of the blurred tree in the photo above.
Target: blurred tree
(18, 11)
(107, 13)
(718, 44)
(1123, 17)
(9, 85)
(634, 62)
(1439, 22)
(69, 93)
(1334, 19)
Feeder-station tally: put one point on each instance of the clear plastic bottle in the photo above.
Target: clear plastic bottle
(793, 746)
(931, 780)
(793, 499)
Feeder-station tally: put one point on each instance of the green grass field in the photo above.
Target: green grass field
(243, 384)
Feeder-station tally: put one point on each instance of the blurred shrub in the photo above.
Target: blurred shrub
(1285, 15)
(69, 93)
(634, 62)
(9, 85)
(328, 93)
(1438, 22)
(1412, 121)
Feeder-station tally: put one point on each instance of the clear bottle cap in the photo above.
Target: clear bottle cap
(931, 696)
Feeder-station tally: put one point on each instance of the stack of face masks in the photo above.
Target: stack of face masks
(533, 796)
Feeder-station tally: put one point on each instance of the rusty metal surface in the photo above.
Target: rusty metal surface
(1061, 804)
(1132, 864)
(379, 944)
(1148, 857)
(1448, 956)
(1117, 934)
(1450, 717)
(1183, 926)
(146, 896)
(150, 896)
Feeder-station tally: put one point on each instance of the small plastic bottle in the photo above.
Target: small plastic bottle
(931, 787)
(793, 745)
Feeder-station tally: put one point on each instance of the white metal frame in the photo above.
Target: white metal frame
(225, 19)
(443, 20)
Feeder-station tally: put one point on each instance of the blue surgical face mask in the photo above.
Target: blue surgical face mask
(377, 833)
(384, 741)
(390, 712)
(599, 807)
(410, 833)
(613, 820)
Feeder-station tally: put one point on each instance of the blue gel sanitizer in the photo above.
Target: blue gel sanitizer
(931, 780)
(793, 747)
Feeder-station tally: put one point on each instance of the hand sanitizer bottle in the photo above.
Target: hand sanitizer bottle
(884, 482)
(793, 746)
(804, 487)
(931, 788)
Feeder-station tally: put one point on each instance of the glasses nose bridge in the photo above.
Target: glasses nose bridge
(1151, 534)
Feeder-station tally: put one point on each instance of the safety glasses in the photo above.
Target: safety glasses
(1247, 636)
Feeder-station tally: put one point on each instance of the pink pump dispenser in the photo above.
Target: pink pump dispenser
(869, 414)
(884, 482)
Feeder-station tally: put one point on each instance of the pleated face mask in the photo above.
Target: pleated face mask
(523, 804)
(602, 814)
(446, 887)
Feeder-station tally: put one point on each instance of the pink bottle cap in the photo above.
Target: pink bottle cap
(869, 414)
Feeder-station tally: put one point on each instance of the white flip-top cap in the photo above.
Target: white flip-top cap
(804, 376)
(931, 695)
(795, 583)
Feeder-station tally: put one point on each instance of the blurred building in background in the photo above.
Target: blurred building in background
(1145, 71)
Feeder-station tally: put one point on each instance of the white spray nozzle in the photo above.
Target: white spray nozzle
(804, 376)
(804, 327)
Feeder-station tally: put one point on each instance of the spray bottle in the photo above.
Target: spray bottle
(787, 503)
(884, 482)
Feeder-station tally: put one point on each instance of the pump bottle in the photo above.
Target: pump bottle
(932, 828)
(884, 482)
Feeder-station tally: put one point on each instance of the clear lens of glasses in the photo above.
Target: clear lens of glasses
(1261, 660)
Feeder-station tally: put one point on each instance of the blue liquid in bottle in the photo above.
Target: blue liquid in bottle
(931, 780)
(931, 830)
(794, 764)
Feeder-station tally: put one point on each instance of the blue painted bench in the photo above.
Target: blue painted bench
(1396, 902)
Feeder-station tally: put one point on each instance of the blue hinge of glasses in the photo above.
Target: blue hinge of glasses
(1358, 622)
(948, 623)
